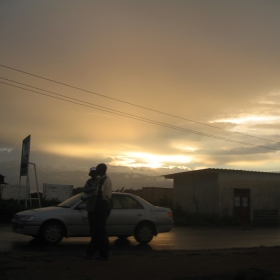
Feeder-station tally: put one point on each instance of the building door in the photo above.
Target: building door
(242, 205)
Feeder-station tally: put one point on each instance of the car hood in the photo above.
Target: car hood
(41, 210)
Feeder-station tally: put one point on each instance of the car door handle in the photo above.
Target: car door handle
(139, 215)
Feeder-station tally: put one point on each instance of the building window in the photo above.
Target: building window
(237, 201)
(265, 216)
(245, 201)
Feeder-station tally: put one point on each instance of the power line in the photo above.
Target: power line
(116, 112)
(135, 105)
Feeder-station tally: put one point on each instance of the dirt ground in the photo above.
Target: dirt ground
(257, 263)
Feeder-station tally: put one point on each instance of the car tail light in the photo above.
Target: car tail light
(170, 214)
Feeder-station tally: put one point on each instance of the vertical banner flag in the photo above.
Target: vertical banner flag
(25, 156)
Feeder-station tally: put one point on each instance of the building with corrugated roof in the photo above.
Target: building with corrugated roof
(249, 195)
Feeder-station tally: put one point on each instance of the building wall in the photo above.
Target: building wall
(153, 194)
(137, 192)
(197, 192)
(264, 190)
(213, 191)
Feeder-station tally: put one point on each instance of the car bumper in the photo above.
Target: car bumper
(164, 228)
(26, 228)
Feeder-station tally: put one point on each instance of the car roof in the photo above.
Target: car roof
(123, 193)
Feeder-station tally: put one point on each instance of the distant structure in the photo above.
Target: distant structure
(2, 180)
(248, 195)
(57, 192)
(152, 194)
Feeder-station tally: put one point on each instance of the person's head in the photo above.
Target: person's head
(92, 172)
(101, 169)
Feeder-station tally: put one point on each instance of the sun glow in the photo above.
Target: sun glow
(249, 120)
(133, 159)
(119, 158)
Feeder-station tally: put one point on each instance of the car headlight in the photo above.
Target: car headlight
(26, 218)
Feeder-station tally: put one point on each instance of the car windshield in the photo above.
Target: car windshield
(71, 201)
(144, 201)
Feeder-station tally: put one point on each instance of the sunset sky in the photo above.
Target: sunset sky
(161, 86)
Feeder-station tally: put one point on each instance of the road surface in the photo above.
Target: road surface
(180, 238)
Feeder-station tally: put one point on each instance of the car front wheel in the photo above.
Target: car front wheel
(52, 232)
(144, 233)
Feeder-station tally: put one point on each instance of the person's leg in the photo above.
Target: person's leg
(103, 240)
(92, 246)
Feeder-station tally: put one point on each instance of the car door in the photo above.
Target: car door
(126, 213)
(79, 225)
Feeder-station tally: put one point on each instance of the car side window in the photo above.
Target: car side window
(125, 202)
(84, 204)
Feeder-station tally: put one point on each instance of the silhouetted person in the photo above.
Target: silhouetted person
(90, 188)
(99, 239)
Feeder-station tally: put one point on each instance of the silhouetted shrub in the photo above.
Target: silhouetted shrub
(8, 208)
(183, 217)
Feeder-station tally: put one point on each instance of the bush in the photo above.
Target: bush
(183, 217)
(8, 208)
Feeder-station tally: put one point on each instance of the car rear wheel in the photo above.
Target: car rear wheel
(144, 233)
(52, 232)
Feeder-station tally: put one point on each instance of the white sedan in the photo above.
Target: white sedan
(130, 215)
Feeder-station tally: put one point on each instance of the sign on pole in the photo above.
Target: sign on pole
(24, 164)
(25, 156)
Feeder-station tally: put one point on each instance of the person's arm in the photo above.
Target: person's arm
(107, 189)
(90, 187)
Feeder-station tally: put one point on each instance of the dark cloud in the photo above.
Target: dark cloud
(244, 151)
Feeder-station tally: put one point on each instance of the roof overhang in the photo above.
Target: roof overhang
(212, 170)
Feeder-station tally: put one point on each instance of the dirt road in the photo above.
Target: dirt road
(211, 265)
